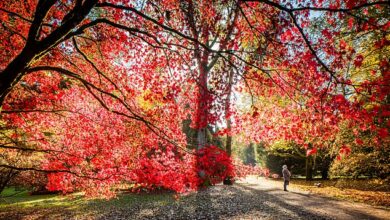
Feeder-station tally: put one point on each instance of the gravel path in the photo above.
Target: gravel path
(255, 199)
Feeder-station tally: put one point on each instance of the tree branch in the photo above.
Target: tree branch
(22, 18)
(41, 11)
(154, 21)
(156, 130)
(51, 171)
(284, 8)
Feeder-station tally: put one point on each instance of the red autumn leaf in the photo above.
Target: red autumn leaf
(345, 150)
(359, 141)
(384, 63)
(383, 132)
(343, 44)
(358, 60)
(311, 151)
(350, 23)
(161, 20)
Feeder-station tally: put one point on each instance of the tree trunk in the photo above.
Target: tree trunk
(5, 177)
(201, 138)
(203, 107)
(325, 167)
(13, 73)
(228, 180)
(324, 174)
(202, 113)
(227, 115)
(229, 138)
(309, 168)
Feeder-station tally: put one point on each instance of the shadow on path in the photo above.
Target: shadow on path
(305, 203)
(249, 201)
(228, 202)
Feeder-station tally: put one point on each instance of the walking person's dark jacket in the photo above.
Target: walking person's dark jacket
(286, 174)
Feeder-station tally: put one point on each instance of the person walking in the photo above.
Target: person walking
(286, 177)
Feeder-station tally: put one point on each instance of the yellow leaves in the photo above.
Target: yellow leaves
(355, 190)
(143, 103)
(116, 93)
(281, 145)
(368, 107)
(370, 64)
(251, 41)
(149, 100)
(159, 69)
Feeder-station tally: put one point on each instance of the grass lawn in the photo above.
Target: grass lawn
(370, 191)
(74, 205)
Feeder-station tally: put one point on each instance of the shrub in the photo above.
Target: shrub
(214, 165)
(374, 164)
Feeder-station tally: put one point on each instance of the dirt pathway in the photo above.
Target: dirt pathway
(325, 207)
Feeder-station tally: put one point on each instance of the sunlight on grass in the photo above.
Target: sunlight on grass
(11, 191)
(44, 201)
(76, 203)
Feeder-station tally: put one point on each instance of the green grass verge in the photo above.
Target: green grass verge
(75, 205)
